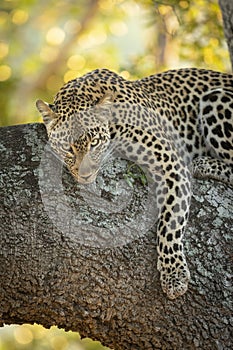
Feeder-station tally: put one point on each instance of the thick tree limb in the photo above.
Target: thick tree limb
(52, 274)
(226, 7)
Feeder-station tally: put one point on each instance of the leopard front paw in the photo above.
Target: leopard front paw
(174, 279)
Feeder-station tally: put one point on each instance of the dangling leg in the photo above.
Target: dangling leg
(171, 178)
(173, 197)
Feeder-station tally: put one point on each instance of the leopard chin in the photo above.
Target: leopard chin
(84, 180)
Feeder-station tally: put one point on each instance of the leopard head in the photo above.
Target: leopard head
(80, 139)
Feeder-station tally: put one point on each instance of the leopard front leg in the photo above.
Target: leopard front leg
(173, 198)
(165, 165)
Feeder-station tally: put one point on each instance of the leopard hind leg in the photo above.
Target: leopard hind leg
(212, 168)
(216, 119)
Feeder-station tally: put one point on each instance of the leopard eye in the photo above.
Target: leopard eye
(68, 151)
(95, 142)
(66, 148)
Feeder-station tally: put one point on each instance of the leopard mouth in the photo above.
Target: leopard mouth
(85, 179)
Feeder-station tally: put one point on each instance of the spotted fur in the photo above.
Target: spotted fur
(172, 123)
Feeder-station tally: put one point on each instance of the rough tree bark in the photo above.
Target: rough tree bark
(51, 274)
(227, 14)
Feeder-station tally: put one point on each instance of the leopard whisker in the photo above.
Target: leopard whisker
(109, 152)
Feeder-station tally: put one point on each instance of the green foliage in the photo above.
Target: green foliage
(135, 173)
(47, 43)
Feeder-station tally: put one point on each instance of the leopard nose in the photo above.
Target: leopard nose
(86, 177)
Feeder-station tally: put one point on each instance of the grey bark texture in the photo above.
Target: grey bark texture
(52, 275)
(226, 7)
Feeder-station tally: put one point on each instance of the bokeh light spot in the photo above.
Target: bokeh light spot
(5, 72)
(76, 62)
(23, 335)
(58, 342)
(125, 74)
(118, 28)
(184, 4)
(70, 74)
(19, 17)
(55, 36)
(39, 331)
(164, 9)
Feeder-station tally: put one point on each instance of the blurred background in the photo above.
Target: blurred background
(45, 43)
(36, 337)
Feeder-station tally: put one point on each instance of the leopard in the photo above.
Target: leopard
(176, 125)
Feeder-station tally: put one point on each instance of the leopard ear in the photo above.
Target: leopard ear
(106, 100)
(103, 108)
(47, 114)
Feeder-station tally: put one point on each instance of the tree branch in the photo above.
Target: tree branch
(226, 7)
(73, 270)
